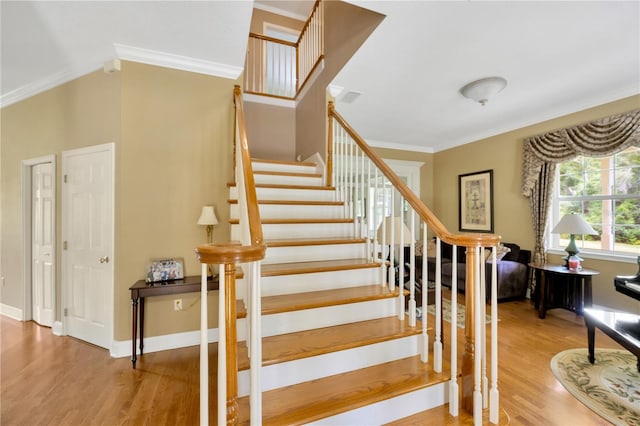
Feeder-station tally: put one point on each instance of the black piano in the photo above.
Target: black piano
(629, 284)
(622, 327)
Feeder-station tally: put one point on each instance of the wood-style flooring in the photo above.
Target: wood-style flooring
(51, 380)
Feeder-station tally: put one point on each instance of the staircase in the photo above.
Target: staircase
(336, 347)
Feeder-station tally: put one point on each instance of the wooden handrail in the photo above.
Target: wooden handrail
(255, 227)
(467, 240)
(308, 21)
(273, 40)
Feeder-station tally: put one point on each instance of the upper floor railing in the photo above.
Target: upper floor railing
(281, 68)
(396, 223)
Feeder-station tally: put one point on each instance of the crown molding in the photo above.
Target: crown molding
(169, 60)
(400, 146)
(44, 84)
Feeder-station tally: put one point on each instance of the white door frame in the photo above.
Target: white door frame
(27, 301)
(110, 147)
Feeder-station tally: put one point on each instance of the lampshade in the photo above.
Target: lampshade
(400, 229)
(573, 223)
(481, 90)
(208, 216)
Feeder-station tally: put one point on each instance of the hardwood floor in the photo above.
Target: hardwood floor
(50, 380)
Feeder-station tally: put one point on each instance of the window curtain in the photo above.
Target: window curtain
(598, 138)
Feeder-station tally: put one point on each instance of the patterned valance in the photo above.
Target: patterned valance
(597, 138)
(542, 153)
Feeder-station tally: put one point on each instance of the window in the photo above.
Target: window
(606, 191)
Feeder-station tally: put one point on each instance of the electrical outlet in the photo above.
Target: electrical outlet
(177, 305)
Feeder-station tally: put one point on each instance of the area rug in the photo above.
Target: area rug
(446, 312)
(610, 387)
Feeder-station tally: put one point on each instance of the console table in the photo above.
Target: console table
(559, 287)
(142, 289)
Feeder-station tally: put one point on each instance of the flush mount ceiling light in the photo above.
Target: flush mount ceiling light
(481, 90)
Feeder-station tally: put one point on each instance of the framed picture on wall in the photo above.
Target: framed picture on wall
(475, 202)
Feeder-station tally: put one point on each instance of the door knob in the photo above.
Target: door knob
(104, 259)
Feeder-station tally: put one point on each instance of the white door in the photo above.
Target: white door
(87, 247)
(42, 240)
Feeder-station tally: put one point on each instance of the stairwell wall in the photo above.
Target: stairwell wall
(346, 28)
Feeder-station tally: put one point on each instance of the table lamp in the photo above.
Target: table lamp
(572, 224)
(208, 218)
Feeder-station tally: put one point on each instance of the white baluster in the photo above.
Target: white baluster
(425, 296)
(477, 392)
(437, 343)
(454, 396)
(256, 347)
(204, 349)
(222, 352)
(494, 396)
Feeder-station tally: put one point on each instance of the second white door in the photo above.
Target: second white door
(87, 233)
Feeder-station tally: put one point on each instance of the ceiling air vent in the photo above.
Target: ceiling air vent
(350, 97)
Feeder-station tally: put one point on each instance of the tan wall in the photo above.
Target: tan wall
(173, 135)
(346, 27)
(175, 157)
(503, 154)
(271, 131)
(78, 114)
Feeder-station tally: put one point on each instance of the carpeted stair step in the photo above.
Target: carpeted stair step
(291, 268)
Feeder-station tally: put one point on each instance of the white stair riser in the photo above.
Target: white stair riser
(305, 369)
(391, 409)
(289, 194)
(276, 231)
(276, 167)
(288, 211)
(308, 319)
(311, 253)
(288, 180)
(317, 281)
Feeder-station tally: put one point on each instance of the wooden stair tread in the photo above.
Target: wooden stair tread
(278, 186)
(296, 202)
(317, 299)
(440, 416)
(295, 242)
(296, 221)
(273, 269)
(319, 341)
(333, 395)
(287, 174)
(290, 163)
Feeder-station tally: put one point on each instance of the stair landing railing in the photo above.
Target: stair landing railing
(280, 68)
(389, 215)
(249, 251)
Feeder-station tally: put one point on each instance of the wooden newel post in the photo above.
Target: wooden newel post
(466, 388)
(330, 144)
(232, 343)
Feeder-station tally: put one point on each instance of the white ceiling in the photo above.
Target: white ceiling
(558, 57)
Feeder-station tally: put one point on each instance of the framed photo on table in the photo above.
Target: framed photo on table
(475, 202)
(165, 270)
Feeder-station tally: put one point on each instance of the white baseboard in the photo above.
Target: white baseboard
(11, 312)
(57, 328)
(122, 348)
